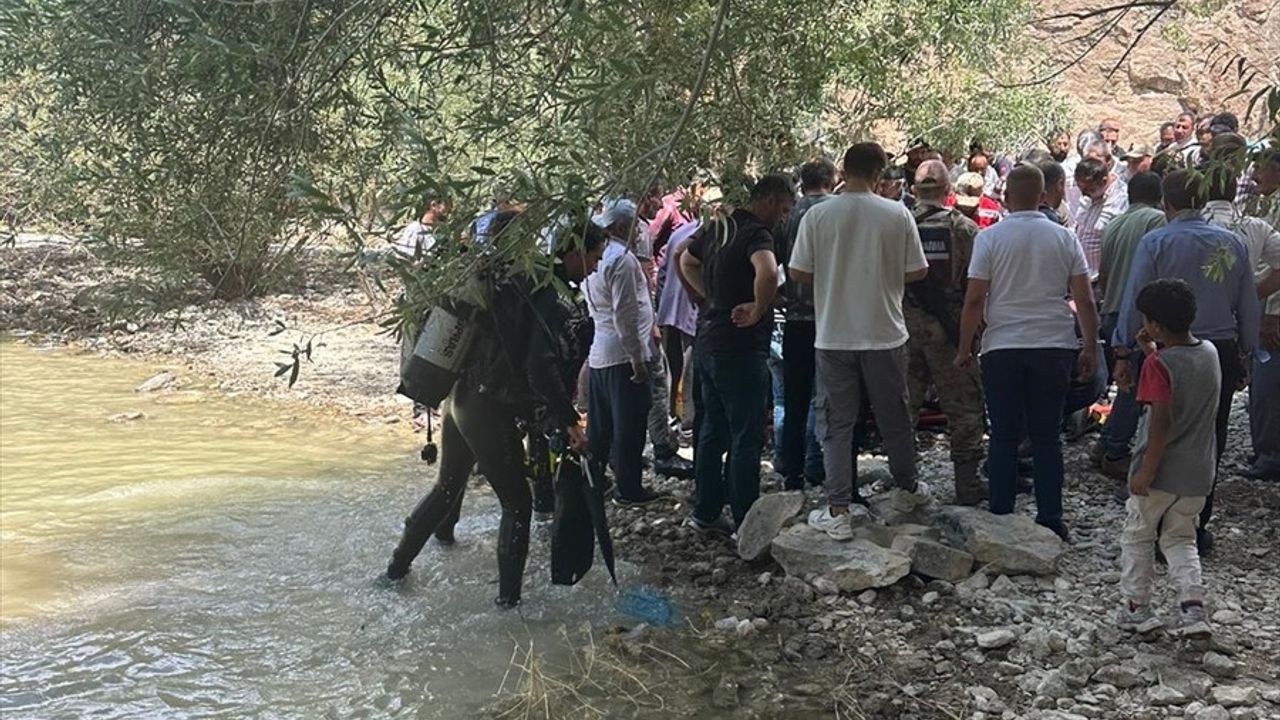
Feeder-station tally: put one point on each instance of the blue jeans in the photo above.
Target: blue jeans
(1122, 423)
(1026, 390)
(732, 421)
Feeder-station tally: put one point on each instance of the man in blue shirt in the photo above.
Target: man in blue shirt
(1216, 265)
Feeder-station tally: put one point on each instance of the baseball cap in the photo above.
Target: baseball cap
(614, 210)
(969, 189)
(1136, 151)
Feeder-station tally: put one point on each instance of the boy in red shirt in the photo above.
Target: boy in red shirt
(1173, 464)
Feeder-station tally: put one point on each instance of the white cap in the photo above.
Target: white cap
(614, 211)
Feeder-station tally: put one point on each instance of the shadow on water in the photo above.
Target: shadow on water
(218, 558)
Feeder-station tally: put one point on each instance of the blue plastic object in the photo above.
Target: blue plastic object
(648, 605)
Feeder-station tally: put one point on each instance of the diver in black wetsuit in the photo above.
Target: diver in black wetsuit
(517, 376)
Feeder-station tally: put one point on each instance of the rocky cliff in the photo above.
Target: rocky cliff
(1185, 61)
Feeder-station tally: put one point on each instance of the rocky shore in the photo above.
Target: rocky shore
(930, 612)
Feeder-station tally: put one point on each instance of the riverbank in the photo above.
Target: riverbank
(992, 645)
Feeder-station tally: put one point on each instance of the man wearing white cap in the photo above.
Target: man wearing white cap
(618, 396)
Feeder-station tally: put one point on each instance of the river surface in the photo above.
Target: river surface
(218, 558)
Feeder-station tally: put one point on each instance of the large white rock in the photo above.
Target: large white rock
(854, 566)
(1010, 544)
(764, 521)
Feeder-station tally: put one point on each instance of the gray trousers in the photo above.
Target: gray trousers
(663, 437)
(1264, 415)
(841, 375)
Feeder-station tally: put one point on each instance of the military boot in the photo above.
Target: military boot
(970, 489)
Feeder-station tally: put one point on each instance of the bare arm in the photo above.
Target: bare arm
(1270, 286)
(690, 273)
(1087, 315)
(764, 289)
(975, 300)
(806, 278)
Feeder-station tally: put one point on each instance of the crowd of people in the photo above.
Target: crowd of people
(1005, 293)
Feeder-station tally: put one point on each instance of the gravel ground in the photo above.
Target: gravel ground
(906, 651)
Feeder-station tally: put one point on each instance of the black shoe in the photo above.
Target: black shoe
(1254, 473)
(505, 603)
(646, 497)
(1204, 542)
(674, 466)
(1059, 528)
(395, 573)
(1121, 491)
(445, 537)
(793, 483)
(720, 526)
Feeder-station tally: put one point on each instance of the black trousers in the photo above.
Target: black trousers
(798, 374)
(674, 343)
(1232, 374)
(617, 417)
(475, 429)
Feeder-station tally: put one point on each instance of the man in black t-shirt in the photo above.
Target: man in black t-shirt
(731, 267)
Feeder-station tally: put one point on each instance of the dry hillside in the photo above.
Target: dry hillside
(1177, 64)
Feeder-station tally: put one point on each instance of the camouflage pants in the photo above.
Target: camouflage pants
(930, 356)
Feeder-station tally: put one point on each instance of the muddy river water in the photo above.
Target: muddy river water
(217, 557)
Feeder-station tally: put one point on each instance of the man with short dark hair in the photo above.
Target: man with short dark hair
(859, 251)
(730, 263)
(1055, 190)
(1184, 136)
(1119, 241)
(1166, 137)
(1021, 270)
(1102, 197)
(1060, 145)
(931, 308)
(1215, 264)
(817, 180)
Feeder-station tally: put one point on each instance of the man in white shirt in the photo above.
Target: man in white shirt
(1022, 269)
(618, 393)
(418, 237)
(859, 250)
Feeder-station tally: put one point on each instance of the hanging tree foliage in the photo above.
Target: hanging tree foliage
(214, 139)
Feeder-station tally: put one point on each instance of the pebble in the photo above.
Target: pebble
(867, 597)
(727, 624)
(930, 598)
(1227, 617)
(996, 639)
(1213, 712)
(1219, 665)
(1231, 696)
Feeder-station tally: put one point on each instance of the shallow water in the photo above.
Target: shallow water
(218, 558)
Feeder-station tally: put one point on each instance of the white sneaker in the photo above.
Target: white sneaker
(836, 527)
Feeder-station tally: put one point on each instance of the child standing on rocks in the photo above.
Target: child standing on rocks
(1173, 464)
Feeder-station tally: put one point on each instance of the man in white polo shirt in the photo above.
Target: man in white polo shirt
(1022, 270)
(859, 250)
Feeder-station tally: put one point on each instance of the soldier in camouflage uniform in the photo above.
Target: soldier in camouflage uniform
(931, 308)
